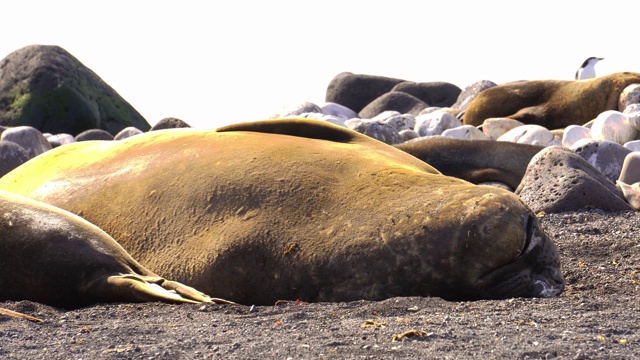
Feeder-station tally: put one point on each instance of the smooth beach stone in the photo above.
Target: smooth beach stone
(169, 123)
(465, 132)
(530, 134)
(12, 155)
(633, 115)
(399, 121)
(435, 123)
(297, 109)
(94, 134)
(558, 180)
(470, 92)
(633, 145)
(631, 193)
(496, 127)
(127, 132)
(574, 133)
(630, 172)
(393, 100)
(606, 156)
(355, 124)
(613, 126)
(629, 95)
(433, 93)
(29, 138)
(407, 135)
(341, 111)
(380, 131)
(60, 139)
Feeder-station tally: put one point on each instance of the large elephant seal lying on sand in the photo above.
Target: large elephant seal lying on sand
(297, 209)
(554, 104)
(51, 256)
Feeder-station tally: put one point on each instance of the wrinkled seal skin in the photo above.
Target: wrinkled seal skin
(476, 161)
(297, 209)
(53, 257)
(554, 104)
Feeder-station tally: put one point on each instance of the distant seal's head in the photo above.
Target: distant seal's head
(587, 69)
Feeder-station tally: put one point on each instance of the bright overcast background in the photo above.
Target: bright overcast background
(212, 63)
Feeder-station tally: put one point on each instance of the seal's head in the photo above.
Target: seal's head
(500, 250)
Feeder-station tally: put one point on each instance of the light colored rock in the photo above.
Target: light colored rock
(574, 133)
(496, 127)
(297, 109)
(630, 173)
(465, 132)
(435, 123)
(127, 132)
(633, 115)
(61, 139)
(631, 193)
(630, 95)
(633, 145)
(338, 110)
(612, 125)
(530, 134)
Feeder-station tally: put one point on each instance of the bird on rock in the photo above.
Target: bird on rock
(587, 70)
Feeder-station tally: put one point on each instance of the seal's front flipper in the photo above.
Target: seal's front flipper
(191, 293)
(138, 288)
(18, 315)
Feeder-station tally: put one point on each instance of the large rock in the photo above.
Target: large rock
(440, 94)
(471, 92)
(47, 88)
(356, 91)
(29, 138)
(558, 180)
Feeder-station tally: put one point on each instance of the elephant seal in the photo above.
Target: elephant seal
(476, 161)
(554, 104)
(297, 209)
(51, 256)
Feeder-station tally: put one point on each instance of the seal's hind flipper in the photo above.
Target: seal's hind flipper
(191, 293)
(138, 288)
(313, 129)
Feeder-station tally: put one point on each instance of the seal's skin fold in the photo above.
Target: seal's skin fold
(554, 104)
(297, 209)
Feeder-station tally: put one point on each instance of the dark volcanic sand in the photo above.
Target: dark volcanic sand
(598, 316)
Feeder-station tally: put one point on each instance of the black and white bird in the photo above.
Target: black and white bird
(587, 70)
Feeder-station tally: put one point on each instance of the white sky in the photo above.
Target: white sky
(212, 63)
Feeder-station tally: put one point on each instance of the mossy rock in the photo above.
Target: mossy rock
(46, 87)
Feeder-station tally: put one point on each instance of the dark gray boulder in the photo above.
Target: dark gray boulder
(169, 123)
(396, 101)
(438, 94)
(94, 134)
(355, 91)
(559, 180)
(12, 155)
(47, 88)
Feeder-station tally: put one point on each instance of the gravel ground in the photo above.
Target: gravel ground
(597, 317)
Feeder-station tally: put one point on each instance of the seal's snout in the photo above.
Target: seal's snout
(549, 284)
